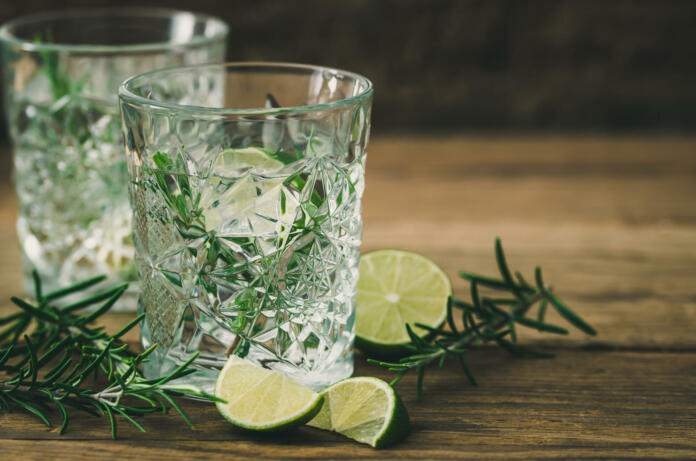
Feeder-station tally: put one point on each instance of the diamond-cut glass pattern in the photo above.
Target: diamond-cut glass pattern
(249, 240)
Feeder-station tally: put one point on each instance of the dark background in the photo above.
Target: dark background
(477, 66)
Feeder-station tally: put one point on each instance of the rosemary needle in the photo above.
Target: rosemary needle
(53, 358)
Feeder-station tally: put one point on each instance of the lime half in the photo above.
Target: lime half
(263, 400)
(364, 409)
(395, 288)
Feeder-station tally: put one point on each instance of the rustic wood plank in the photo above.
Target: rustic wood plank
(582, 404)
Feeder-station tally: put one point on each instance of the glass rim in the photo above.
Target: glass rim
(126, 94)
(7, 34)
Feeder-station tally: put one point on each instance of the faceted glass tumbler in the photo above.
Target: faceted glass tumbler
(62, 72)
(245, 183)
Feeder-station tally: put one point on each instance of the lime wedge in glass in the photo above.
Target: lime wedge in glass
(395, 288)
(232, 161)
(364, 409)
(262, 203)
(263, 400)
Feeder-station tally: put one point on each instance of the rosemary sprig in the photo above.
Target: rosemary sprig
(53, 358)
(485, 319)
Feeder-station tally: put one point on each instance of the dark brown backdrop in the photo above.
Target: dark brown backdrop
(464, 65)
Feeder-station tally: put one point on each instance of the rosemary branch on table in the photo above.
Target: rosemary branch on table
(53, 358)
(485, 319)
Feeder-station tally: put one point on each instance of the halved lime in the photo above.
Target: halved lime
(395, 288)
(263, 400)
(364, 409)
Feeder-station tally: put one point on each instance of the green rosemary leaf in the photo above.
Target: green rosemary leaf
(10, 318)
(521, 280)
(508, 346)
(176, 407)
(33, 363)
(129, 326)
(61, 409)
(28, 408)
(131, 420)
(504, 271)
(570, 316)
(561, 308)
(513, 331)
(527, 352)
(112, 420)
(283, 157)
(106, 306)
(416, 340)
(450, 317)
(74, 288)
(55, 349)
(37, 285)
(504, 301)
(59, 369)
(467, 371)
(90, 300)
(33, 310)
(462, 304)
(474, 294)
(283, 201)
(96, 361)
(542, 310)
(398, 378)
(162, 161)
(541, 326)
(483, 280)
(437, 331)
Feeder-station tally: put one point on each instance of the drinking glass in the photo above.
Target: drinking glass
(62, 72)
(245, 184)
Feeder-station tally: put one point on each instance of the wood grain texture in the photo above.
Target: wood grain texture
(581, 404)
(613, 223)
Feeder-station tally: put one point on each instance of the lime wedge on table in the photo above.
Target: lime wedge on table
(364, 409)
(395, 288)
(263, 400)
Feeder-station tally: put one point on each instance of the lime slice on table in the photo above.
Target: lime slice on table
(364, 409)
(395, 288)
(263, 400)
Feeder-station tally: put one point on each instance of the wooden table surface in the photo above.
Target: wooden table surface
(613, 223)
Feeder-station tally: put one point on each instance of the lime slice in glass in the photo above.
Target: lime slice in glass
(395, 288)
(264, 204)
(364, 409)
(233, 161)
(263, 400)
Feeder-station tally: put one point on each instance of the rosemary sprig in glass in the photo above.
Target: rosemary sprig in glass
(53, 358)
(485, 319)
